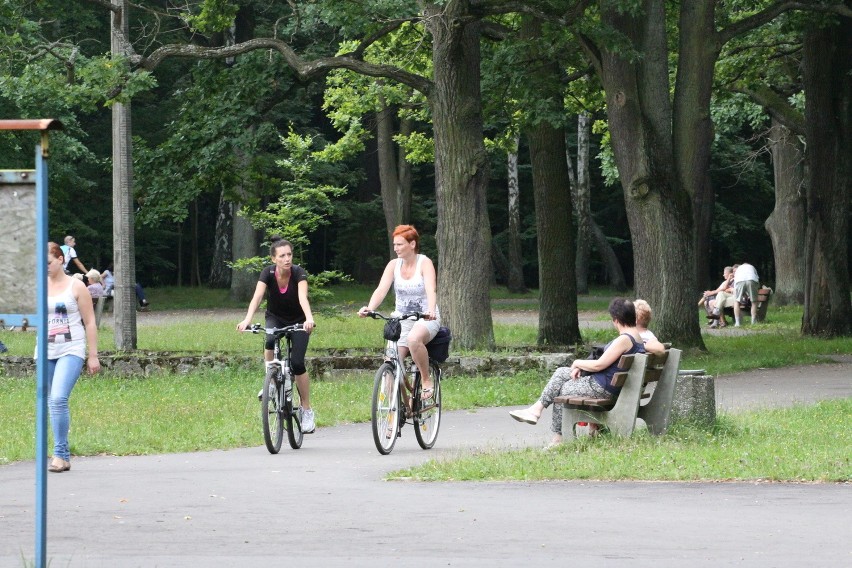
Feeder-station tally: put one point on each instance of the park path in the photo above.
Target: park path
(329, 504)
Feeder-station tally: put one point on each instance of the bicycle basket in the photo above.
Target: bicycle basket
(439, 347)
(393, 329)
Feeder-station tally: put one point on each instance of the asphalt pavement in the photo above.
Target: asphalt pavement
(331, 504)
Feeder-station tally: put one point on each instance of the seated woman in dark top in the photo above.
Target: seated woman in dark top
(568, 381)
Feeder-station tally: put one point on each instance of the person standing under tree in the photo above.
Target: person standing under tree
(70, 254)
(746, 283)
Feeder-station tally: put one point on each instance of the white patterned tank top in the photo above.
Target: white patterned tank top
(411, 293)
(65, 332)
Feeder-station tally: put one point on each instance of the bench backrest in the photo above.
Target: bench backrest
(653, 368)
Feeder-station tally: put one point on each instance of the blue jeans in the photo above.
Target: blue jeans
(62, 375)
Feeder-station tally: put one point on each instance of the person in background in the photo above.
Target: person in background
(710, 297)
(71, 254)
(70, 329)
(746, 283)
(285, 286)
(570, 381)
(415, 283)
(96, 288)
(108, 280)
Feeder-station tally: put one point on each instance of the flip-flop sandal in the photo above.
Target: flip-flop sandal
(427, 393)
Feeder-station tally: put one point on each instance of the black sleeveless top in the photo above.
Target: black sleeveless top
(604, 378)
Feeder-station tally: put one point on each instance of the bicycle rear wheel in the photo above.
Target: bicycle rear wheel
(386, 409)
(271, 412)
(293, 412)
(427, 413)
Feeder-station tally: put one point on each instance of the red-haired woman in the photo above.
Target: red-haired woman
(414, 281)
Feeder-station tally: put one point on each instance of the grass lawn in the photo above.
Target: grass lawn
(218, 409)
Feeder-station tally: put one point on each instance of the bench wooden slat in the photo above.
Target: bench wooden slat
(618, 379)
(581, 402)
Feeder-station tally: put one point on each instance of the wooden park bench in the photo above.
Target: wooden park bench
(620, 415)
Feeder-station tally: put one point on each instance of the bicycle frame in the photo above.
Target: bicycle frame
(277, 404)
(395, 400)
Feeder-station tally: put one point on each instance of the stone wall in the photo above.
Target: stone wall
(320, 367)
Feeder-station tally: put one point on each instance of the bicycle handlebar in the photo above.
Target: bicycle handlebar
(257, 328)
(407, 316)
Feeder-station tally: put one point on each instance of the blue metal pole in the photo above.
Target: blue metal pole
(41, 365)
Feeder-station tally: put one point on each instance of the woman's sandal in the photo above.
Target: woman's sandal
(58, 465)
(427, 393)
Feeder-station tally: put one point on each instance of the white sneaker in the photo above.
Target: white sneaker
(308, 421)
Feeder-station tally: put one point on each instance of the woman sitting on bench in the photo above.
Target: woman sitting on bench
(588, 377)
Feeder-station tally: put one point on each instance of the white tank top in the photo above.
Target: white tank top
(65, 332)
(411, 293)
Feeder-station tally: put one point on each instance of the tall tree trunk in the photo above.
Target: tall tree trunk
(827, 77)
(195, 263)
(659, 209)
(393, 174)
(615, 274)
(180, 254)
(557, 320)
(243, 282)
(583, 202)
(693, 126)
(220, 273)
(786, 224)
(515, 276)
(124, 249)
(461, 175)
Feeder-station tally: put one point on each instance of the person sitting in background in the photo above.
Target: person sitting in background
(709, 296)
(724, 299)
(108, 280)
(643, 318)
(96, 288)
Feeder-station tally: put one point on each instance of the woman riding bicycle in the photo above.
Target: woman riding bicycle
(286, 288)
(414, 281)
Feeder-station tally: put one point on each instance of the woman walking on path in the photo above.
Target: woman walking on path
(285, 286)
(70, 328)
(414, 281)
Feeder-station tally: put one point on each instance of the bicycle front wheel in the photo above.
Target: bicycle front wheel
(271, 412)
(293, 412)
(427, 413)
(386, 409)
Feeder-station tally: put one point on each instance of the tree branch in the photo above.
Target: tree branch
(776, 105)
(541, 10)
(771, 12)
(305, 69)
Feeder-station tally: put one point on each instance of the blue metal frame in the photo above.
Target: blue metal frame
(41, 365)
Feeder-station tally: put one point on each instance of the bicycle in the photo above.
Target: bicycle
(280, 403)
(391, 388)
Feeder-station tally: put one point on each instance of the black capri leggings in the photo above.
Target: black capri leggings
(300, 344)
